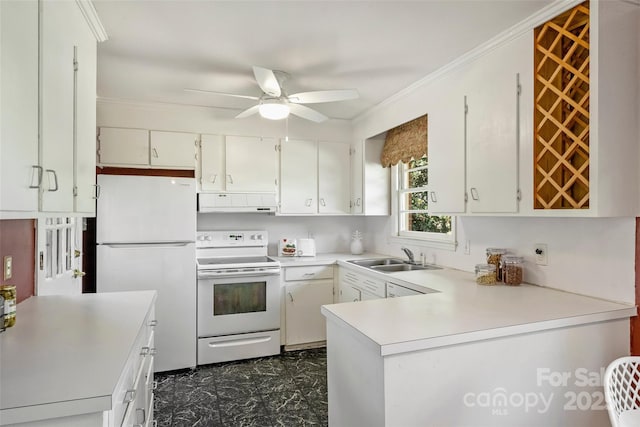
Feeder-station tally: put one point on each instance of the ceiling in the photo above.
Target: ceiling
(158, 48)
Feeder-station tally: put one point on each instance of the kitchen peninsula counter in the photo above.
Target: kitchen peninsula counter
(66, 354)
(424, 360)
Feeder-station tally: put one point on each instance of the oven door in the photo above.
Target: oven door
(238, 304)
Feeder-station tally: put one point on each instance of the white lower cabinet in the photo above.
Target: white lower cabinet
(135, 391)
(306, 290)
(353, 287)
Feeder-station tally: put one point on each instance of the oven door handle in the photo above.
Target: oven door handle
(242, 341)
(239, 273)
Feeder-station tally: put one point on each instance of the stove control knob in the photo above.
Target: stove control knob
(258, 236)
(200, 238)
(209, 238)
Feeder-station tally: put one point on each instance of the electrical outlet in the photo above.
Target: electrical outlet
(540, 253)
(467, 247)
(8, 267)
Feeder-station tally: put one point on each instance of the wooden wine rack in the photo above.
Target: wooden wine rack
(561, 111)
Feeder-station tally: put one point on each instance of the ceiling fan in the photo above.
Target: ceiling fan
(276, 104)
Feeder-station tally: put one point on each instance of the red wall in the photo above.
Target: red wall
(18, 239)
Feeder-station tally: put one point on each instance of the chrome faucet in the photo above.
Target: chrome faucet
(409, 254)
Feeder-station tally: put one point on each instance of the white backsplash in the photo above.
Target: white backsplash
(331, 233)
(591, 256)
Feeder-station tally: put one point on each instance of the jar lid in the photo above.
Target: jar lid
(496, 251)
(512, 259)
(485, 267)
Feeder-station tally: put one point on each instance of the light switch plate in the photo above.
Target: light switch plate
(8, 267)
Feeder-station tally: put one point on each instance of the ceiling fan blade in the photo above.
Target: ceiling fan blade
(307, 113)
(267, 81)
(248, 112)
(255, 98)
(323, 96)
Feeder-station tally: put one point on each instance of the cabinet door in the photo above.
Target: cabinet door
(56, 103)
(357, 163)
(211, 163)
(123, 147)
(19, 106)
(446, 148)
(173, 150)
(334, 188)
(492, 128)
(251, 164)
(304, 322)
(298, 177)
(85, 141)
(349, 293)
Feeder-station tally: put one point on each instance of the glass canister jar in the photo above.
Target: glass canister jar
(2, 328)
(512, 269)
(493, 257)
(8, 292)
(486, 274)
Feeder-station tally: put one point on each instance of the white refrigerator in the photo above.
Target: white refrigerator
(146, 228)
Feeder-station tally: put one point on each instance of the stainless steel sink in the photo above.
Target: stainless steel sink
(376, 262)
(403, 267)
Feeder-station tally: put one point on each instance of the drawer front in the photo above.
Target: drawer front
(314, 272)
(376, 287)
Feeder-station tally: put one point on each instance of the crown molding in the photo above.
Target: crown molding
(92, 18)
(543, 15)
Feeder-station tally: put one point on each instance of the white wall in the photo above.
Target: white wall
(219, 121)
(332, 233)
(591, 256)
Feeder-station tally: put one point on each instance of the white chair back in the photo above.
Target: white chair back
(622, 387)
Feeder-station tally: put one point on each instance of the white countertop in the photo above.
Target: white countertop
(66, 353)
(462, 311)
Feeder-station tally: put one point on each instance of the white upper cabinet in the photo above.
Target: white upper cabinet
(446, 146)
(85, 140)
(140, 148)
(242, 164)
(251, 164)
(370, 182)
(298, 177)
(334, 166)
(123, 147)
(173, 150)
(57, 41)
(314, 178)
(211, 172)
(19, 170)
(492, 125)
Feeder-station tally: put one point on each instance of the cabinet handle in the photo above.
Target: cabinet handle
(77, 273)
(309, 274)
(307, 202)
(356, 300)
(153, 351)
(434, 199)
(144, 416)
(97, 196)
(153, 322)
(155, 153)
(55, 179)
(144, 351)
(39, 169)
(154, 386)
(322, 203)
(474, 193)
(358, 201)
(213, 178)
(131, 396)
(230, 178)
(290, 296)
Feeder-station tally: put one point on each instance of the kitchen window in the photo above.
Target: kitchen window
(411, 208)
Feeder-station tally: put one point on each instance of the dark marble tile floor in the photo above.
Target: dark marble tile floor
(286, 390)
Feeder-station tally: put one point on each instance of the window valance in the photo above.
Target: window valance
(405, 142)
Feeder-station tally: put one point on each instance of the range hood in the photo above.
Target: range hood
(236, 202)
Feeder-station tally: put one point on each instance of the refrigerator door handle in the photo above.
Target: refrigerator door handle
(147, 245)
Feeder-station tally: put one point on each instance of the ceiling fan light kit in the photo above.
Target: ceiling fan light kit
(274, 109)
(276, 104)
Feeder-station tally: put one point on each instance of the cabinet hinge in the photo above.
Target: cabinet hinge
(277, 147)
(519, 89)
(519, 195)
(466, 109)
(466, 197)
(75, 191)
